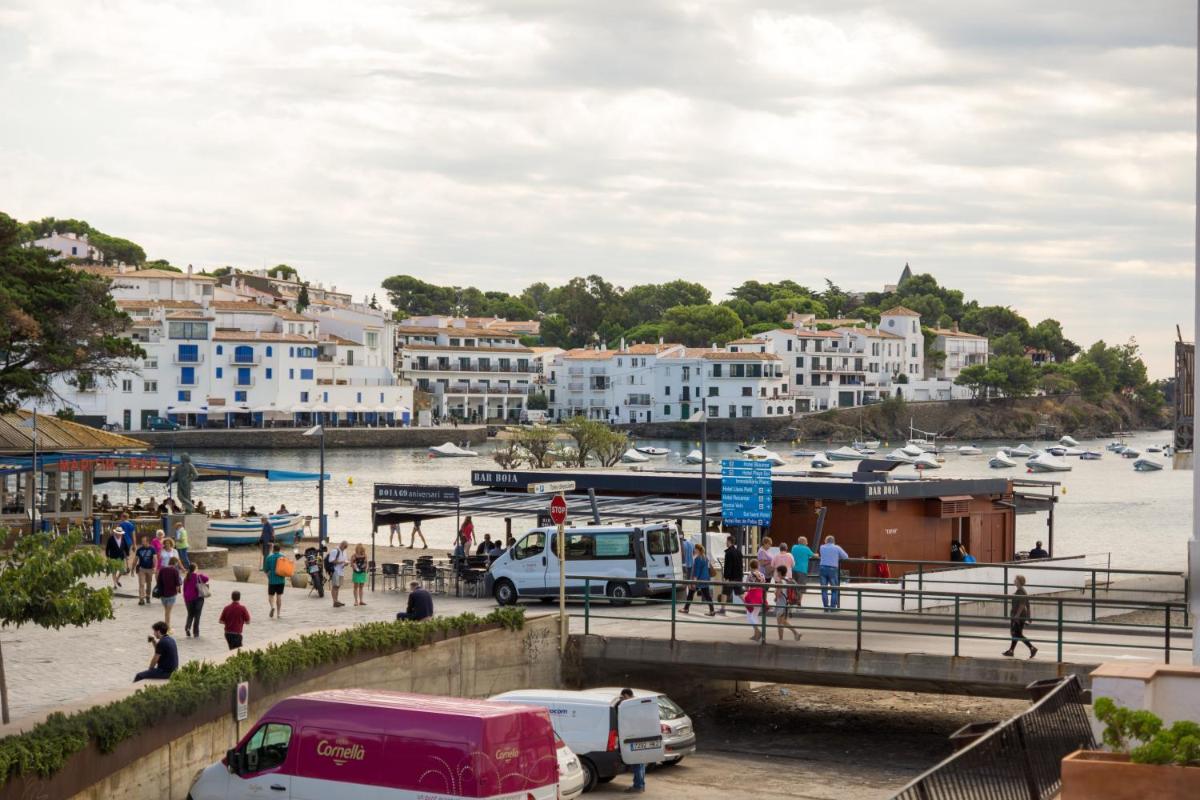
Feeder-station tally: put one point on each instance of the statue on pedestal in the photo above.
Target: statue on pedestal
(183, 477)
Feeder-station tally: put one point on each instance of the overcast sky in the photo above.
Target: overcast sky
(1032, 153)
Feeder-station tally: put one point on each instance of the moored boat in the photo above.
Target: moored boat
(1153, 449)
(654, 452)
(746, 446)
(912, 450)
(1129, 452)
(632, 456)
(1021, 450)
(1067, 441)
(805, 453)
(821, 461)
(969, 450)
(899, 454)
(1091, 455)
(870, 445)
(926, 461)
(763, 454)
(1001, 460)
(1057, 450)
(247, 530)
(845, 454)
(1044, 462)
(1147, 465)
(696, 457)
(451, 450)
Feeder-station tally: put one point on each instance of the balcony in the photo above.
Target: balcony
(575, 386)
(245, 383)
(575, 371)
(418, 367)
(248, 360)
(598, 371)
(188, 359)
(488, 389)
(638, 400)
(596, 402)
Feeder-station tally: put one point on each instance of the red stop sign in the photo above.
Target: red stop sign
(558, 509)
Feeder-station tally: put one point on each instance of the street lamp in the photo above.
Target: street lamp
(319, 431)
(33, 475)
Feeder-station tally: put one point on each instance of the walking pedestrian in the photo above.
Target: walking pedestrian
(181, 543)
(337, 559)
(701, 573)
(166, 655)
(167, 583)
(128, 529)
(266, 538)
(784, 559)
(394, 533)
(764, 556)
(466, 535)
(732, 573)
(1018, 618)
(358, 574)
(118, 553)
(168, 554)
(195, 589)
(802, 556)
(416, 531)
(275, 582)
(831, 557)
(160, 536)
(146, 562)
(639, 770)
(785, 596)
(688, 556)
(753, 599)
(234, 618)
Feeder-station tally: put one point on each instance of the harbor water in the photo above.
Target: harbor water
(1106, 508)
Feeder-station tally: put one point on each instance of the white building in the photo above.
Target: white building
(667, 382)
(962, 350)
(69, 245)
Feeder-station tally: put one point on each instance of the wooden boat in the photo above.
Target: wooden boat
(248, 530)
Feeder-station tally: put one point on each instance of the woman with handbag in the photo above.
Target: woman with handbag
(195, 589)
(701, 573)
(166, 588)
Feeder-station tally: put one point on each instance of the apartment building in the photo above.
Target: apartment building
(665, 382)
(472, 373)
(69, 245)
(962, 350)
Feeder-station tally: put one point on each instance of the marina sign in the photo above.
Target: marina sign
(415, 493)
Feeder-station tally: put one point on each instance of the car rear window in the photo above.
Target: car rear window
(668, 709)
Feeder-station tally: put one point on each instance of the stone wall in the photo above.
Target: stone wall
(294, 438)
(162, 763)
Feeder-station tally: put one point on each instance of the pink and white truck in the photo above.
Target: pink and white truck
(370, 745)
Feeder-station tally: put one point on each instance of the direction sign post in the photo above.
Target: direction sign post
(558, 515)
(745, 492)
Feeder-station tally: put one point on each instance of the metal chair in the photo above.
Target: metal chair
(390, 574)
(472, 582)
(428, 574)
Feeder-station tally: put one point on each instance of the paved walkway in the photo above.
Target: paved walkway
(69, 668)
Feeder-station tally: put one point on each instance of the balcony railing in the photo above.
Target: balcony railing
(188, 358)
(249, 360)
(417, 367)
(575, 387)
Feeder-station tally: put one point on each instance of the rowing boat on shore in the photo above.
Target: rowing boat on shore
(247, 530)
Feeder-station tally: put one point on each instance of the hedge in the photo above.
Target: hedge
(45, 748)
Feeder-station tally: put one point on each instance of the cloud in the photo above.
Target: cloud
(1037, 155)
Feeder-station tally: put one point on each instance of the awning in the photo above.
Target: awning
(494, 503)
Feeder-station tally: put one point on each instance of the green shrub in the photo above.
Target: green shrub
(1179, 744)
(45, 748)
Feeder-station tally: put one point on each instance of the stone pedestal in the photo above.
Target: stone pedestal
(198, 549)
(209, 557)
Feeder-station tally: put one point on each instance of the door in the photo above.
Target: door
(263, 758)
(529, 564)
(662, 556)
(127, 419)
(639, 731)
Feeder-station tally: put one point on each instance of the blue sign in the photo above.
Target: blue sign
(745, 492)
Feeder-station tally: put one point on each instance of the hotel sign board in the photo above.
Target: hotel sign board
(746, 492)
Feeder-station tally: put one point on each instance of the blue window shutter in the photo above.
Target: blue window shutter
(220, 372)
(268, 373)
(220, 349)
(291, 374)
(243, 376)
(269, 351)
(187, 375)
(306, 374)
(359, 397)
(325, 397)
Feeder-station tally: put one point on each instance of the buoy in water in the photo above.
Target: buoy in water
(350, 481)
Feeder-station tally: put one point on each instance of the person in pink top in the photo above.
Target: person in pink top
(764, 555)
(157, 543)
(784, 559)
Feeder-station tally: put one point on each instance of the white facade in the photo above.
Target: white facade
(69, 245)
(962, 350)
(160, 284)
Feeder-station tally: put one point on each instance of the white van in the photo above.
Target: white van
(619, 555)
(604, 733)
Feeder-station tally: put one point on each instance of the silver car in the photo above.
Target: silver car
(679, 736)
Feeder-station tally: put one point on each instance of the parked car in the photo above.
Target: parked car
(570, 771)
(161, 424)
(606, 734)
(679, 735)
(619, 554)
(356, 744)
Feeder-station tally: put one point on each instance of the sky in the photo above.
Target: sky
(1033, 154)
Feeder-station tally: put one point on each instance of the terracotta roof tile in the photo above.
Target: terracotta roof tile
(225, 335)
(517, 350)
(899, 311)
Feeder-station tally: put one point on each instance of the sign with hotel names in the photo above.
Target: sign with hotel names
(745, 492)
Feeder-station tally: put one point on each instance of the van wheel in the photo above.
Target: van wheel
(590, 777)
(504, 592)
(618, 592)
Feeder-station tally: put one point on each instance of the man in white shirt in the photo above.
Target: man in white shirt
(831, 557)
(338, 558)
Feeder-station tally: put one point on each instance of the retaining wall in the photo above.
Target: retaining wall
(294, 438)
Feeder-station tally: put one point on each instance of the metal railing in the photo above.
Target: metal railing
(1019, 759)
(875, 611)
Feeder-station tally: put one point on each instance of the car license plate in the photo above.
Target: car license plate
(652, 744)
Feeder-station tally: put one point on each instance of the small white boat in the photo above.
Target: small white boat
(1120, 448)
(655, 452)
(747, 446)
(1115, 447)
(1021, 450)
(912, 450)
(805, 453)
(1067, 441)
(696, 457)
(451, 450)
(969, 450)
(845, 454)
(1129, 452)
(1001, 460)
(821, 461)
(1044, 462)
(921, 444)
(1056, 450)
(1153, 449)
(926, 461)
(1147, 465)
(871, 445)
(947, 448)
(1091, 455)
(632, 456)
(900, 455)
(763, 454)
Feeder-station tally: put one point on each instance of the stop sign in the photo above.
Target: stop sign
(558, 509)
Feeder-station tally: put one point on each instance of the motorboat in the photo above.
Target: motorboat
(1021, 450)
(948, 448)
(1067, 441)
(926, 461)
(845, 454)
(969, 450)
(1044, 462)
(696, 457)
(1153, 449)
(871, 445)
(1121, 448)
(921, 444)
(763, 454)
(747, 446)
(1057, 450)
(632, 456)
(1001, 460)
(821, 461)
(912, 450)
(1091, 455)
(1147, 465)
(1115, 447)
(451, 450)
(1129, 452)
(248, 530)
(805, 453)
(653, 452)
(900, 455)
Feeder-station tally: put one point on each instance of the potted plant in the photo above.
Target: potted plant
(1144, 759)
(241, 572)
(299, 580)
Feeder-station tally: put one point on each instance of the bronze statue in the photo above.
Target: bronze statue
(182, 477)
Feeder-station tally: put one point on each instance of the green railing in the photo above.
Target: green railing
(957, 625)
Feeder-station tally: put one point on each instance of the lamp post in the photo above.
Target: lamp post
(319, 431)
(33, 474)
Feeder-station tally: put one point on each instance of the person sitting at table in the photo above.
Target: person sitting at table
(105, 503)
(252, 512)
(495, 551)
(137, 504)
(200, 509)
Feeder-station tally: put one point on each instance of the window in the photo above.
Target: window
(267, 748)
(270, 352)
(713, 411)
(187, 376)
(150, 387)
(666, 391)
(187, 330)
(239, 397)
(372, 339)
(712, 391)
(304, 397)
(291, 352)
(189, 354)
(716, 370)
(531, 545)
(914, 350)
(220, 373)
(768, 409)
(359, 396)
(594, 546)
(747, 411)
(243, 354)
(324, 397)
(126, 385)
(662, 542)
(185, 396)
(747, 391)
(306, 374)
(220, 349)
(150, 363)
(291, 374)
(270, 372)
(243, 376)
(666, 411)
(800, 362)
(733, 412)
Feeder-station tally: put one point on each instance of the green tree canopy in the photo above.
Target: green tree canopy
(699, 326)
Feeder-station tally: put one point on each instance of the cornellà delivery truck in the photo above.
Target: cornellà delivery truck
(363, 744)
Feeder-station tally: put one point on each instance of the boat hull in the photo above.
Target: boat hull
(248, 530)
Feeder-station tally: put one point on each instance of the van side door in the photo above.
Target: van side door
(528, 564)
(662, 556)
(265, 762)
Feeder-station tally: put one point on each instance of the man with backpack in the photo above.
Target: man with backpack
(335, 564)
(275, 582)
